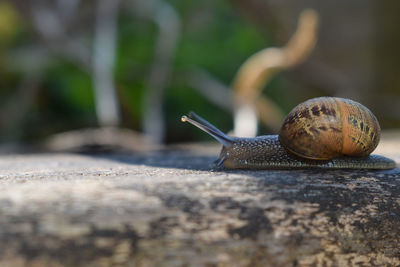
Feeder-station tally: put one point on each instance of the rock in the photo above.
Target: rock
(170, 208)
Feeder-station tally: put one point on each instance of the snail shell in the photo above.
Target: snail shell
(327, 127)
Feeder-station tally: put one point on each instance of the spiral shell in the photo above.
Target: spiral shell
(327, 127)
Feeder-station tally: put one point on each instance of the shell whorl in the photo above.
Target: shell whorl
(327, 127)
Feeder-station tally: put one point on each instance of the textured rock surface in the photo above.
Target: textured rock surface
(168, 208)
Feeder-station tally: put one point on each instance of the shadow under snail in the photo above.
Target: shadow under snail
(325, 132)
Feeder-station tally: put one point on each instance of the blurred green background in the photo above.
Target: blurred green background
(48, 69)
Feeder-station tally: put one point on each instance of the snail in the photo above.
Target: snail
(325, 132)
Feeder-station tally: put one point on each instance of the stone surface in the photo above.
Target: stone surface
(170, 208)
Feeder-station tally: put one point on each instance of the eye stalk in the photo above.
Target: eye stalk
(207, 127)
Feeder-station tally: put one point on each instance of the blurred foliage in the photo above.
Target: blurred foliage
(9, 23)
(214, 37)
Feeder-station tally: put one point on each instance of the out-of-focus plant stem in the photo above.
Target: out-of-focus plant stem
(104, 45)
(168, 23)
(258, 69)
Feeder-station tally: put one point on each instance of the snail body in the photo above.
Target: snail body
(326, 132)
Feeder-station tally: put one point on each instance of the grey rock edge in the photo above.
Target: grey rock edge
(170, 208)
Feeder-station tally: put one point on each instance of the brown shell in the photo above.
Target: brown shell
(327, 127)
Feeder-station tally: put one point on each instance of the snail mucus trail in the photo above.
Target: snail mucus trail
(269, 152)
